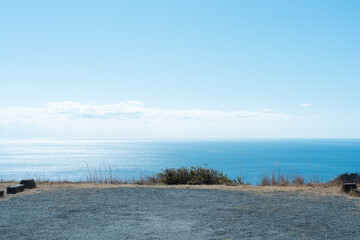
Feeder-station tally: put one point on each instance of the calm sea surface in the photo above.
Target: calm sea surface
(67, 159)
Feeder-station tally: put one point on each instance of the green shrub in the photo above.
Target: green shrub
(347, 178)
(173, 176)
(194, 175)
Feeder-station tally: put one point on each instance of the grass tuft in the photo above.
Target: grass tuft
(280, 179)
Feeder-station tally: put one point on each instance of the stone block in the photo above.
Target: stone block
(347, 187)
(28, 183)
(15, 189)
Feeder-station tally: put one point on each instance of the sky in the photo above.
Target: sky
(179, 69)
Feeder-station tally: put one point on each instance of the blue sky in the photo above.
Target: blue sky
(190, 69)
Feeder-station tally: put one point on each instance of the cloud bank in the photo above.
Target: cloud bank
(67, 111)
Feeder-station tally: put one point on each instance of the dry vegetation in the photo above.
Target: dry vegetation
(170, 176)
(313, 189)
(192, 178)
(294, 179)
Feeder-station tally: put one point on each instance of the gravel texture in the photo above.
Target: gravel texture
(143, 213)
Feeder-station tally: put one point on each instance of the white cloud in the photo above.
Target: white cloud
(132, 102)
(305, 104)
(65, 112)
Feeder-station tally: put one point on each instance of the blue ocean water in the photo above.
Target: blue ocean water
(67, 159)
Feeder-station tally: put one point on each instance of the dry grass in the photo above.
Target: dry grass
(170, 176)
(274, 182)
(294, 179)
(315, 190)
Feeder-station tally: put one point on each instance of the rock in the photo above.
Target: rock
(1, 193)
(347, 187)
(15, 189)
(28, 183)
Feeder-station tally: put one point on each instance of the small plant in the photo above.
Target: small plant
(240, 180)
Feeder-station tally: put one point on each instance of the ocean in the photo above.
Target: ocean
(130, 159)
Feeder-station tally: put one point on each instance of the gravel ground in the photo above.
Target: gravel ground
(143, 213)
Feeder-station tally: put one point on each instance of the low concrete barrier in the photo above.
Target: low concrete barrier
(15, 188)
(347, 187)
(28, 183)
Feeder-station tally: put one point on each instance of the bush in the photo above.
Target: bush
(194, 175)
(347, 178)
(173, 176)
